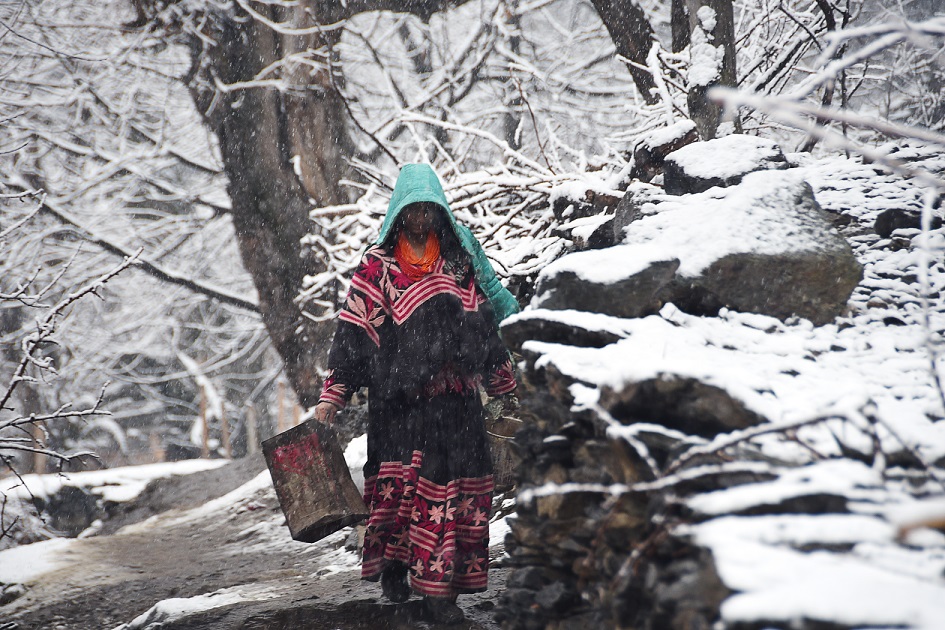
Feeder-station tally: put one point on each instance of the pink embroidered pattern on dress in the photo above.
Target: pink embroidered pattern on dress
(380, 288)
(440, 532)
(333, 391)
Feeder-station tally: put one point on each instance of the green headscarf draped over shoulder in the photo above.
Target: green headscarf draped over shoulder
(418, 182)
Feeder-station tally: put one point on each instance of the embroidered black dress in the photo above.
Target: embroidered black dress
(422, 348)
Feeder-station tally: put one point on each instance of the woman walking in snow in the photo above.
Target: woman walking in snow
(419, 330)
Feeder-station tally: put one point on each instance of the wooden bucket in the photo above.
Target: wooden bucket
(312, 481)
(500, 431)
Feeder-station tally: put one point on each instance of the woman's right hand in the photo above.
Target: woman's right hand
(325, 412)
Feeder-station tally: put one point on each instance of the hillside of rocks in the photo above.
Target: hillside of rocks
(730, 416)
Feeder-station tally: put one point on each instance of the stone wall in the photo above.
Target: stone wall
(586, 557)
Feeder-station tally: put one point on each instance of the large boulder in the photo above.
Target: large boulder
(722, 162)
(605, 281)
(764, 246)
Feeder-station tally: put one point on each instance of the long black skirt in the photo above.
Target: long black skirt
(428, 485)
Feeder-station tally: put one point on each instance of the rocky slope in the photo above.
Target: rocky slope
(687, 464)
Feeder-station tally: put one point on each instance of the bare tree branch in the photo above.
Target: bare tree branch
(150, 268)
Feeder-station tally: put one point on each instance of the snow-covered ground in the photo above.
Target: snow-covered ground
(257, 530)
(112, 484)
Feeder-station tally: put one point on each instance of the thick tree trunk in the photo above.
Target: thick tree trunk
(679, 25)
(633, 37)
(264, 136)
(706, 114)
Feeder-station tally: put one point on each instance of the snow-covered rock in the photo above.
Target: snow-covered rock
(829, 514)
(607, 281)
(639, 200)
(724, 161)
(590, 330)
(764, 246)
(777, 252)
(651, 151)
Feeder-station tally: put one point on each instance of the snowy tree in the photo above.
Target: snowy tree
(299, 94)
(97, 118)
(33, 309)
(850, 53)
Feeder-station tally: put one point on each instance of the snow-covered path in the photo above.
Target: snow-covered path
(230, 560)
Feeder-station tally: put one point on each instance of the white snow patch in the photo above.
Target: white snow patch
(580, 319)
(584, 397)
(497, 531)
(705, 65)
(112, 484)
(725, 157)
(337, 561)
(796, 529)
(610, 265)
(356, 457)
(840, 477)
(171, 610)
(23, 564)
(666, 135)
(584, 227)
(782, 585)
(707, 18)
(228, 504)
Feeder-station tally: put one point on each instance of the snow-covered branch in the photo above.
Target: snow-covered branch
(811, 119)
(148, 267)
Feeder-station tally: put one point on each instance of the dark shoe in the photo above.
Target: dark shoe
(394, 583)
(444, 611)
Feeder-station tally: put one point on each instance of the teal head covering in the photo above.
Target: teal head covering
(417, 183)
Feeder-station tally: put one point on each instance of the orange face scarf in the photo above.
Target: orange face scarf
(415, 267)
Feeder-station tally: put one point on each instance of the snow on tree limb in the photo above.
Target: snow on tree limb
(793, 114)
(148, 267)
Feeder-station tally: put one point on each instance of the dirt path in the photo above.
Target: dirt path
(235, 552)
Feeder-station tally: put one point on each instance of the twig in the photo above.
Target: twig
(344, 101)
(531, 114)
(149, 267)
(928, 466)
(46, 326)
(33, 213)
(6, 529)
(737, 437)
(780, 110)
